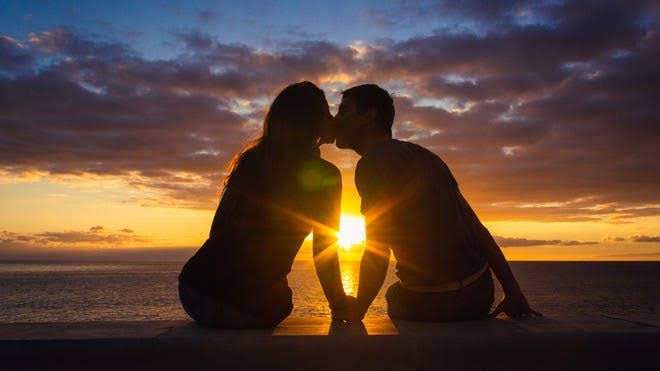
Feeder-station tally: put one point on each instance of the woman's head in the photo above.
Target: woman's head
(293, 126)
(297, 117)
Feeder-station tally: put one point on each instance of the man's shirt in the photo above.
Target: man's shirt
(411, 202)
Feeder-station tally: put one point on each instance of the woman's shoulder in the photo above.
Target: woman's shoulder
(331, 174)
(317, 175)
(329, 167)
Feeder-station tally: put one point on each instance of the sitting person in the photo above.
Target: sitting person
(278, 191)
(413, 206)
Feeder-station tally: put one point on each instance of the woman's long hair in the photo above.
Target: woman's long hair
(291, 127)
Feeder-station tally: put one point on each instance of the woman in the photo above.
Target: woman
(278, 191)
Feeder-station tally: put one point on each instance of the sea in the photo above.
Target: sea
(138, 291)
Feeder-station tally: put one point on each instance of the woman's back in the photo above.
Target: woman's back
(261, 222)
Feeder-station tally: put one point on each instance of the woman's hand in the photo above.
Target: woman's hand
(514, 304)
(345, 302)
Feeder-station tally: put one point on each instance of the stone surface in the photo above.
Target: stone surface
(317, 343)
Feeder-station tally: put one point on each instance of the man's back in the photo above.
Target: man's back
(411, 196)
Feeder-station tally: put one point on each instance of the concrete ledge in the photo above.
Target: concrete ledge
(316, 343)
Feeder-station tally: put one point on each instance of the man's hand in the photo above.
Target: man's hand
(351, 313)
(515, 305)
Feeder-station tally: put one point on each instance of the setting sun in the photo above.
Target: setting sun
(351, 231)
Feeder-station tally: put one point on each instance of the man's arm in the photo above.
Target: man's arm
(373, 268)
(514, 302)
(326, 261)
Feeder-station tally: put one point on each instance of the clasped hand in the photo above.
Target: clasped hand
(351, 311)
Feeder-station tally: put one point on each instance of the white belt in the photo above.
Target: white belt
(449, 286)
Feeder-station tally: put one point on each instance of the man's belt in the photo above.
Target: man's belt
(449, 286)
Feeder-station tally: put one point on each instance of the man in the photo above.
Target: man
(413, 207)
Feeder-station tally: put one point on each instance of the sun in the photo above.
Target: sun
(351, 231)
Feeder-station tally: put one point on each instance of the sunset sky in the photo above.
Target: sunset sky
(118, 118)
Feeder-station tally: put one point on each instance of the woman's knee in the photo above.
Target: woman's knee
(391, 293)
(393, 298)
(189, 302)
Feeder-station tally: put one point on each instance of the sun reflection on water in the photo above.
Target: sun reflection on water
(349, 279)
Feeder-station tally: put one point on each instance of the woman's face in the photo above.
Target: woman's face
(328, 130)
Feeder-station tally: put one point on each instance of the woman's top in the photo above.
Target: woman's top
(259, 227)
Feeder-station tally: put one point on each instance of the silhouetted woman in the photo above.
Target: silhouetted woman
(278, 191)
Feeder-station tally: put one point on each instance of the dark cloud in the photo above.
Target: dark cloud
(461, 16)
(584, 32)
(524, 242)
(547, 111)
(13, 55)
(64, 41)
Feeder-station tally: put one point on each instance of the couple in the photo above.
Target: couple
(278, 190)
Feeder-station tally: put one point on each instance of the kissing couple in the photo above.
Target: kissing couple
(278, 190)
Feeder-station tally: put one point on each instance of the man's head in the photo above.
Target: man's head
(365, 111)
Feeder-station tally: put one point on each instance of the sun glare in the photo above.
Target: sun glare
(351, 231)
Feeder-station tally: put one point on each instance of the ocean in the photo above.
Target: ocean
(102, 291)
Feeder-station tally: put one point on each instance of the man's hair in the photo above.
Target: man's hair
(369, 96)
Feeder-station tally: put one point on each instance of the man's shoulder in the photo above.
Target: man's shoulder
(392, 152)
(401, 158)
(383, 160)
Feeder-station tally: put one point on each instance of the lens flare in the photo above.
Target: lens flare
(351, 231)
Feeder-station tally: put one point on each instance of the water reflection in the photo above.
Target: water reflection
(349, 278)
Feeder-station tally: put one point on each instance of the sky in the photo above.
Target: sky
(118, 118)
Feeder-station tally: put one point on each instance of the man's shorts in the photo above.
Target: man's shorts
(469, 303)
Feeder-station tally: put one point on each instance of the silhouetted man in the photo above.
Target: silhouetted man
(413, 206)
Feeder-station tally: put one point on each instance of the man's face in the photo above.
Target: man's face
(327, 134)
(348, 124)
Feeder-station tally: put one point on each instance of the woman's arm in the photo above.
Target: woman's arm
(324, 247)
(373, 266)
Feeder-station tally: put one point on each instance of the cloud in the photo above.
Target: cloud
(96, 235)
(524, 242)
(636, 238)
(545, 111)
(95, 244)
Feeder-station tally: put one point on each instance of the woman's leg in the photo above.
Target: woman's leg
(207, 311)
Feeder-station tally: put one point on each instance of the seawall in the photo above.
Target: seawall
(600, 342)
